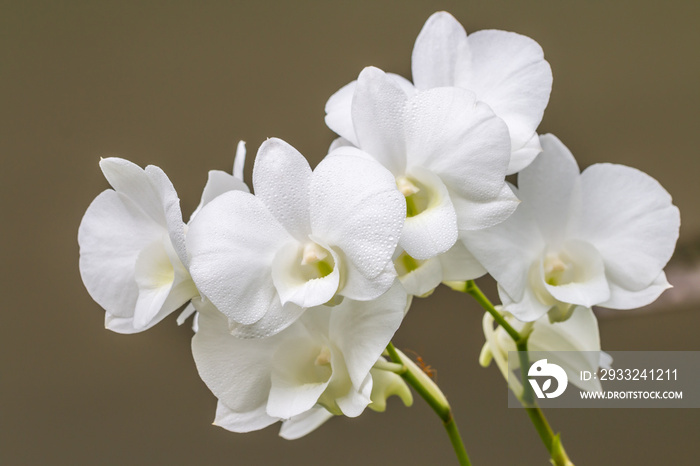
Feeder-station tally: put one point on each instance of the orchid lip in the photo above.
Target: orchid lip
(419, 197)
(316, 261)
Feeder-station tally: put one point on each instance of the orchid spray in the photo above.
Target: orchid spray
(298, 287)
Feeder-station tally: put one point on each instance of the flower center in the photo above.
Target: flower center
(406, 264)
(416, 193)
(558, 269)
(316, 261)
(324, 357)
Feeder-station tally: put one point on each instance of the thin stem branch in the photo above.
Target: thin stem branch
(430, 392)
(541, 425)
(471, 288)
(551, 441)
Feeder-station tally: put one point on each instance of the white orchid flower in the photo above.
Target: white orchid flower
(601, 237)
(324, 359)
(384, 385)
(133, 260)
(575, 346)
(132, 248)
(505, 70)
(304, 239)
(448, 154)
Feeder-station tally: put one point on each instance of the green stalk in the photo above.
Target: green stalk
(430, 392)
(551, 441)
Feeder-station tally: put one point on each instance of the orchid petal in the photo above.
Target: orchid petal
(302, 424)
(186, 313)
(131, 181)
(236, 370)
(460, 139)
(247, 421)
(218, 182)
(458, 264)
(154, 276)
(523, 156)
(354, 402)
(339, 142)
(276, 319)
(588, 285)
(112, 233)
(297, 380)
(526, 308)
(232, 242)
(476, 215)
(293, 286)
(629, 218)
(508, 72)
(440, 45)
(359, 288)
(423, 279)
(377, 115)
(356, 207)
(550, 185)
(339, 113)
(339, 108)
(434, 230)
(508, 250)
(281, 178)
(239, 160)
(170, 206)
(621, 298)
(362, 330)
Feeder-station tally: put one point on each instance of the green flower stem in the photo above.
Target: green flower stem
(430, 392)
(551, 441)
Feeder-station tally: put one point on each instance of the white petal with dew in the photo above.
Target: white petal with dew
(232, 243)
(461, 140)
(377, 115)
(355, 207)
(281, 177)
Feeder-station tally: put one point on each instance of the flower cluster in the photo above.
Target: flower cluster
(299, 287)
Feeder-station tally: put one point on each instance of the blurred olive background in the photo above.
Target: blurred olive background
(177, 84)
